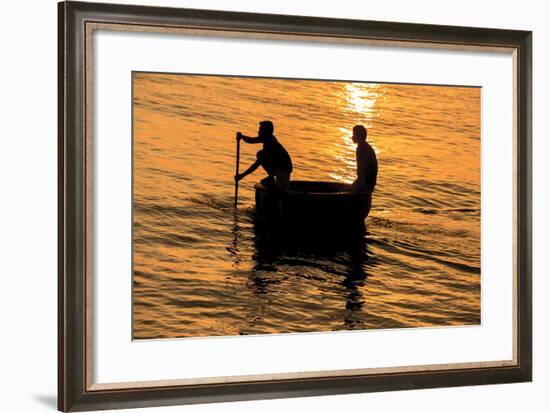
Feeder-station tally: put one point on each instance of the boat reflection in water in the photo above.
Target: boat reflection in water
(328, 258)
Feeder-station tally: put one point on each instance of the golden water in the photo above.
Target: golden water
(202, 269)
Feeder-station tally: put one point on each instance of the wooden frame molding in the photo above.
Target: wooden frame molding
(77, 22)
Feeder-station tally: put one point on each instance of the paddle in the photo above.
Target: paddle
(237, 171)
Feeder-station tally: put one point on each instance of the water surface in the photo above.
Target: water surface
(203, 269)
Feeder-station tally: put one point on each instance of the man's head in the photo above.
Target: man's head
(266, 128)
(359, 134)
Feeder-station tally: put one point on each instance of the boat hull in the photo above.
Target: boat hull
(318, 203)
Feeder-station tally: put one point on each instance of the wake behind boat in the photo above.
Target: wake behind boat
(313, 202)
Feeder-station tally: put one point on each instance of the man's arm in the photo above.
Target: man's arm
(250, 169)
(249, 139)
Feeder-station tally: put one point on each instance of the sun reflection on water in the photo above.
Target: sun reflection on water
(360, 100)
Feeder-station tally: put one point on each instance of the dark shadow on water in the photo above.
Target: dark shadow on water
(273, 241)
(342, 252)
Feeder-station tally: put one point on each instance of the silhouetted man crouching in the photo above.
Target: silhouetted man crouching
(273, 158)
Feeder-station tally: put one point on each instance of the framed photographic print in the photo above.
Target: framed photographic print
(262, 206)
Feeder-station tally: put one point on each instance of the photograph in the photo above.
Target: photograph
(277, 205)
(256, 204)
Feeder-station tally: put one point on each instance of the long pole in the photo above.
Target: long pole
(237, 171)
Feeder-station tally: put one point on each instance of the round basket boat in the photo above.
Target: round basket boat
(312, 202)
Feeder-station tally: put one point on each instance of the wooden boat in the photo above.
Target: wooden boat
(310, 202)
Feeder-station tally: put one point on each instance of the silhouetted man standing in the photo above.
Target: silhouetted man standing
(273, 158)
(367, 164)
